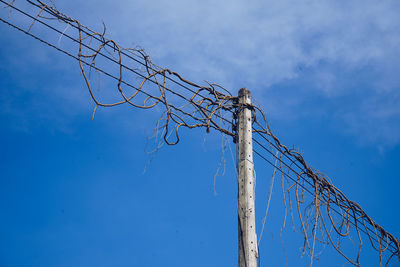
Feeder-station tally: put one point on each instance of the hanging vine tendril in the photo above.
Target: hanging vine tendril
(331, 215)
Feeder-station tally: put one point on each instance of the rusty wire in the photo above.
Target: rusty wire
(328, 218)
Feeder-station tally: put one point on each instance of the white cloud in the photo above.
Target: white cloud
(265, 40)
(261, 44)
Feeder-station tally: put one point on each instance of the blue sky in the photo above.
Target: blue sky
(74, 191)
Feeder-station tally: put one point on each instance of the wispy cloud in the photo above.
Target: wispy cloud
(331, 51)
(265, 41)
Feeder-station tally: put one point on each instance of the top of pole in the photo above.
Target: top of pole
(244, 92)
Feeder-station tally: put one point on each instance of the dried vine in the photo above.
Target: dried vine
(332, 216)
(202, 107)
(327, 219)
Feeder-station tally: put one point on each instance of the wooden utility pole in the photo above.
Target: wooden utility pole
(248, 251)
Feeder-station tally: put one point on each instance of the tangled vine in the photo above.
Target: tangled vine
(330, 216)
(327, 218)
